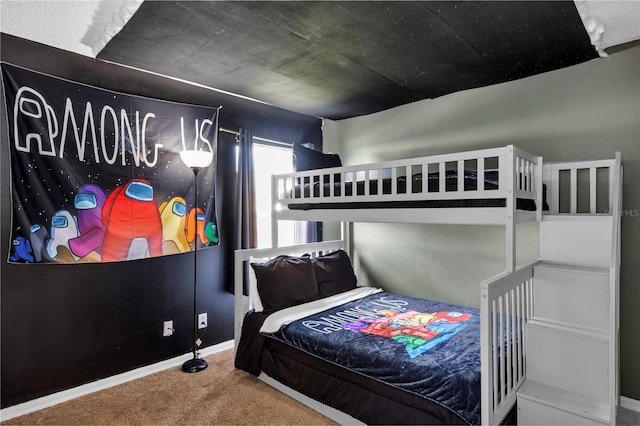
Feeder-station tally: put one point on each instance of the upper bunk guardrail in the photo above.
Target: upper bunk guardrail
(583, 187)
(418, 179)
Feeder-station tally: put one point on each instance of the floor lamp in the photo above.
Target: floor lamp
(196, 160)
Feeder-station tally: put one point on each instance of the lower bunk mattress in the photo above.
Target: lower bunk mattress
(382, 358)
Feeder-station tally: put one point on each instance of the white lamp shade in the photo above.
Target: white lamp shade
(195, 158)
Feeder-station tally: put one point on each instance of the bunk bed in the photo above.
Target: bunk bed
(497, 186)
(502, 186)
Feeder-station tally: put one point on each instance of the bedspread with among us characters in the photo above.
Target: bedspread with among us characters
(423, 346)
(417, 331)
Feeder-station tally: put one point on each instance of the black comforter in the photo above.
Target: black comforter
(426, 348)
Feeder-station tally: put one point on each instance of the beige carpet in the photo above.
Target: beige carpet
(219, 395)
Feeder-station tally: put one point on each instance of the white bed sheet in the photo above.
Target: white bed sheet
(278, 319)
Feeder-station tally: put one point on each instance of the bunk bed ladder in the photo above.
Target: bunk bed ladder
(572, 335)
(616, 173)
(512, 173)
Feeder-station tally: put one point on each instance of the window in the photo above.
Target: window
(270, 160)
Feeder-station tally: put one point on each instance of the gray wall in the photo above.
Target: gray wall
(584, 112)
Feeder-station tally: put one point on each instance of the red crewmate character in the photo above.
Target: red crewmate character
(132, 220)
(192, 230)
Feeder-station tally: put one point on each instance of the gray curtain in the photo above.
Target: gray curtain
(246, 224)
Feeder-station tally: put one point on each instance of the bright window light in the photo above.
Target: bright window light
(269, 160)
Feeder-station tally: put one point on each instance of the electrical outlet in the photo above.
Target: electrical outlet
(167, 328)
(202, 320)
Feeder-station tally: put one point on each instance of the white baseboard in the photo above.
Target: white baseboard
(57, 398)
(631, 404)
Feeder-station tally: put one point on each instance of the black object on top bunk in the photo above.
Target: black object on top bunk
(309, 159)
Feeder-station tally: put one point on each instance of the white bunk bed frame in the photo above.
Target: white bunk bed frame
(507, 302)
(520, 177)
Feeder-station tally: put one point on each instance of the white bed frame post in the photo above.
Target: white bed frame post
(510, 172)
(539, 182)
(346, 231)
(615, 194)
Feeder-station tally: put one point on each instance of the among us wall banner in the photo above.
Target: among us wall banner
(97, 175)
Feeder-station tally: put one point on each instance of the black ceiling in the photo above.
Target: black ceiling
(339, 59)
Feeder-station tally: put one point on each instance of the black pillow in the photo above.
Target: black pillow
(334, 273)
(309, 159)
(285, 281)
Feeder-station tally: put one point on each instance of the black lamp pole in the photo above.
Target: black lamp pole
(195, 364)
